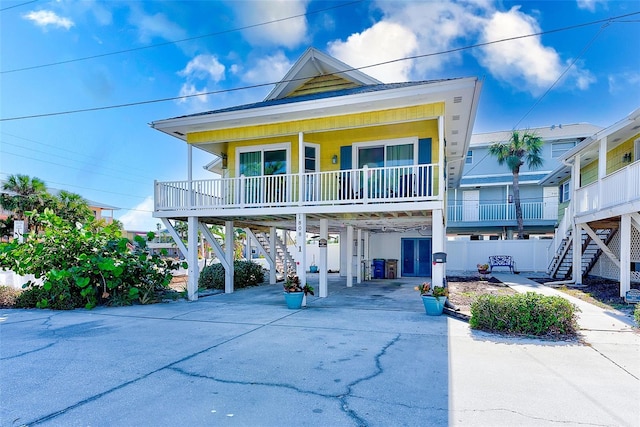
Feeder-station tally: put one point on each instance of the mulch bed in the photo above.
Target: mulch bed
(463, 290)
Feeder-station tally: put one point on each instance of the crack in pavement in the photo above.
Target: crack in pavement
(570, 422)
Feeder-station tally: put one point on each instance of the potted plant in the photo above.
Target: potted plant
(294, 292)
(483, 268)
(433, 298)
(313, 268)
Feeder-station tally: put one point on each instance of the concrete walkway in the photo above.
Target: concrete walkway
(364, 356)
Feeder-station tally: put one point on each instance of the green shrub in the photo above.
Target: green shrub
(85, 265)
(246, 274)
(636, 314)
(525, 314)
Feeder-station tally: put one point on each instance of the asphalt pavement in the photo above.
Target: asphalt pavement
(364, 356)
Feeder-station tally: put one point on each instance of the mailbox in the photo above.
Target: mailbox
(439, 257)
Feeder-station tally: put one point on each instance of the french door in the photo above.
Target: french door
(416, 257)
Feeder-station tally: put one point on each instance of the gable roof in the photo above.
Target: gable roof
(314, 63)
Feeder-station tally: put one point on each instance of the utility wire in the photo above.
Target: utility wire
(584, 50)
(218, 33)
(219, 91)
(17, 5)
(57, 148)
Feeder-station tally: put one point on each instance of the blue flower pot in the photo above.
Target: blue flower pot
(433, 306)
(293, 299)
(313, 269)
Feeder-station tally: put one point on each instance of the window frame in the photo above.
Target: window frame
(262, 148)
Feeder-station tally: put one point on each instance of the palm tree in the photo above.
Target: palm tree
(22, 194)
(72, 207)
(522, 148)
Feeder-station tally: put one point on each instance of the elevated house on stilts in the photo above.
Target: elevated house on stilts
(330, 150)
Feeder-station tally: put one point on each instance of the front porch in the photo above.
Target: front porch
(345, 190)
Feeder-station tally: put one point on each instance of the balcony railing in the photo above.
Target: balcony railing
(355, 186)
(619, 188)
(498, 212)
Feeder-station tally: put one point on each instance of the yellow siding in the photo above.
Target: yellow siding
(589, 173)
(614, 157)
(322, 124)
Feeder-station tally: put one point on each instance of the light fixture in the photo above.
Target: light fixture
(224, 160)
(626, 158)
(334, 159)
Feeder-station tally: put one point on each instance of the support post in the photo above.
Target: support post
(323, 284)
(192, 258)
(272, 251)
(229, 245)
(349, 256)
(625, 254)
(359, 263)
(366, 260)
(576, 262)
(190, 174)
(438, 242)
(301, 243)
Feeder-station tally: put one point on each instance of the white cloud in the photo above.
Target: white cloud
(139, 218)
(270, 68)
(46, 18)
(152, 26)
(524, 63)
(189, 90)
(288, 33)
(590, 5)
(384, 41)
(204, 67)
(620, 82)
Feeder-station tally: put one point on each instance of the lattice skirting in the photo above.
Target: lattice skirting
(606, 268)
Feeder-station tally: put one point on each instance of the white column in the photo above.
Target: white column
(190, 173)
(229, 250)
(323, 285)
(192, 260)
(625, 254)
(301, 168)
(602, 166)
(441, 163)
(301, 245)
(366, 255)
(360, 253)
(272, 251)
(349, 256)
(576, 230)
(437, 242)
(247, 248)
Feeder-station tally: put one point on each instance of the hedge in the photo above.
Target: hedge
(524, 314)
(246, 274)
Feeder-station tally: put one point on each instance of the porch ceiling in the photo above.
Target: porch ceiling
(377, 222)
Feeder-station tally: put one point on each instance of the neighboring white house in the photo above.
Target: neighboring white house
(330, 150)
(600, 233)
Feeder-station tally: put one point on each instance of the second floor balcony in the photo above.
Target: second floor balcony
(492, 213)
(365, 186)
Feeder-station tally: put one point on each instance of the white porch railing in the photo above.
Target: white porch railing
(355, 186)
(497, 212)
(618, 188)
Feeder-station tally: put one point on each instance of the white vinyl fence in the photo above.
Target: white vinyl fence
(529, 255)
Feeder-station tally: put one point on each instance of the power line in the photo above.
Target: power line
(218, 33)
(219, 91)
(57, 148)
(582, 52)
(17, 5)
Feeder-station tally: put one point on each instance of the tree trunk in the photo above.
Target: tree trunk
(516, 201)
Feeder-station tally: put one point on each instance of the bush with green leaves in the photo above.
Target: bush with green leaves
(636, 314)
(524, 314)
(85, 265)
(246, 274)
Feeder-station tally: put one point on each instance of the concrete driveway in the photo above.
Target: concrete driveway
(364, 356)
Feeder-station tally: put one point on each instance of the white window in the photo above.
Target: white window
(469, 159)
(565, 191)
(637, 156)
(267, 160)
(559, 148)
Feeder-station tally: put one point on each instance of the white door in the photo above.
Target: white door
(470, 205)
(550, 202)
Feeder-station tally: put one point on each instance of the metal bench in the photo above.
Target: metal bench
(501, 261)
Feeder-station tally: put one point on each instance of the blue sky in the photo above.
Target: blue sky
(590, 73)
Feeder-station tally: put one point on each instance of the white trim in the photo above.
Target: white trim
(304, 155)
(636, 144)
(262, 148)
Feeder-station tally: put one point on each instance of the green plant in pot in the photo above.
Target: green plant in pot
(483, 268)
(294, 292)
(433, 298)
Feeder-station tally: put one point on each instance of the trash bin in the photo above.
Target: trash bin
(391, 268)
(378, 268)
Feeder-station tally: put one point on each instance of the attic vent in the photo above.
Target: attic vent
(178, 133)
(454, 132)
(456, 117)
(453, 144)
(457, 99)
